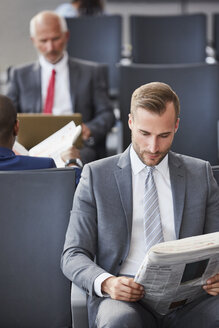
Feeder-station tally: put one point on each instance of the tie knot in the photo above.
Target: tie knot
(150, 169)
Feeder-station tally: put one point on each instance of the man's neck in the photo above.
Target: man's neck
(44, 61)
(6, 145)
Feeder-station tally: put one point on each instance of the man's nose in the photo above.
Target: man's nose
(153, 146)
(50, 46)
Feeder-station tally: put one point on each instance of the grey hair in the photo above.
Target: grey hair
(40, 15)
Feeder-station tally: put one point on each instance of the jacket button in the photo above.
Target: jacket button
(120, 263)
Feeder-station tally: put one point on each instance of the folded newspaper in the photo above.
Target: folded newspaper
(53, 145)
(174, 272)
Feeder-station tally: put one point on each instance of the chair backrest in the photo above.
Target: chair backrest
(216, 34)
(79, 307)
(168, 39)
(197, 88)
(97, 38)
(35, 209)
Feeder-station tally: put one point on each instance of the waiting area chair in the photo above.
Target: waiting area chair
(168, 39)
(79, 308)
(197, 88)
(35, 210)
(98, 39)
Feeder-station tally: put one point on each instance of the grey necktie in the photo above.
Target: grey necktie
(152, 222)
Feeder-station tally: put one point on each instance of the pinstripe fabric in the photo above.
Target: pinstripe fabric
(152, 222)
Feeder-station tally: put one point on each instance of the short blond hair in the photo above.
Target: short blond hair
(154, 96)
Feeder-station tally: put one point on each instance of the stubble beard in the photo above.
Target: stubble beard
(144, 156)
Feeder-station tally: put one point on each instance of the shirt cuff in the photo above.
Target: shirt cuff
(98, 282)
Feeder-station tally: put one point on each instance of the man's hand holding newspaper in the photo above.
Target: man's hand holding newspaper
(122, 289)
(212, 285)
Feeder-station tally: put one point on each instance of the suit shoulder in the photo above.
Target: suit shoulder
(188, 161)
(103, 164)
(84, 63)
(25, 67)
(37, 162)
(191, 159)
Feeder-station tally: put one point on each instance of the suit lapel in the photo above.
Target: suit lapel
(36, 80)
(177, 179)
(123, 176)
(73, 78)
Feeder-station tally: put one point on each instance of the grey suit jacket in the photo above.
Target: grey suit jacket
(88, 88)
(101, 219)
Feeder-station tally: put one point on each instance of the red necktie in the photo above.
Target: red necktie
(50, 94)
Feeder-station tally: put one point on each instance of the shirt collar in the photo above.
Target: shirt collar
(58, 66)
(6, 153)
(138, 165)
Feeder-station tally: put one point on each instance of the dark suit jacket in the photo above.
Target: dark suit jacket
(101, 220)
(89, 95)
(9, 161)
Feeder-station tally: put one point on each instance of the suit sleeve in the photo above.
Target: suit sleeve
(103, 118)
(52, 163)
(81, 238)
(12, 90)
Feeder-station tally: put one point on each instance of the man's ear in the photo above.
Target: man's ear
(16, 128)
(33, 42)
(130, 121)
(177, 124)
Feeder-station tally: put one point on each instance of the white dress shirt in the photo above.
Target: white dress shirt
(137, 244)
(162, 182)
(62, 98)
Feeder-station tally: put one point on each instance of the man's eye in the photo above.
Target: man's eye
(144, 133)
(164, 135)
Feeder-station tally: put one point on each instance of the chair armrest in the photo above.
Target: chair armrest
(79, 307)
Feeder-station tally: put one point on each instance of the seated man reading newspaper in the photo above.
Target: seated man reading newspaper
(125, 204)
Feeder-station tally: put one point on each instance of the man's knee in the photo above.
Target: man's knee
(118, 314)
(201, 313)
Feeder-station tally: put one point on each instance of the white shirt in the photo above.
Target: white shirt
(62, 98)
(137, 243)
(162, 182)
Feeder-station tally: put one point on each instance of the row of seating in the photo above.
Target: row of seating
(170, 49)
(154, 39)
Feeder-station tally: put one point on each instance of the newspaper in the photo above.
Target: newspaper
(174, 272)
(53, 145)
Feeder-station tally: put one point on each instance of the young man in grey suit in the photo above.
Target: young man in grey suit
(105, 241)
(80, 86)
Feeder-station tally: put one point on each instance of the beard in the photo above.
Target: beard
(149, 158)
